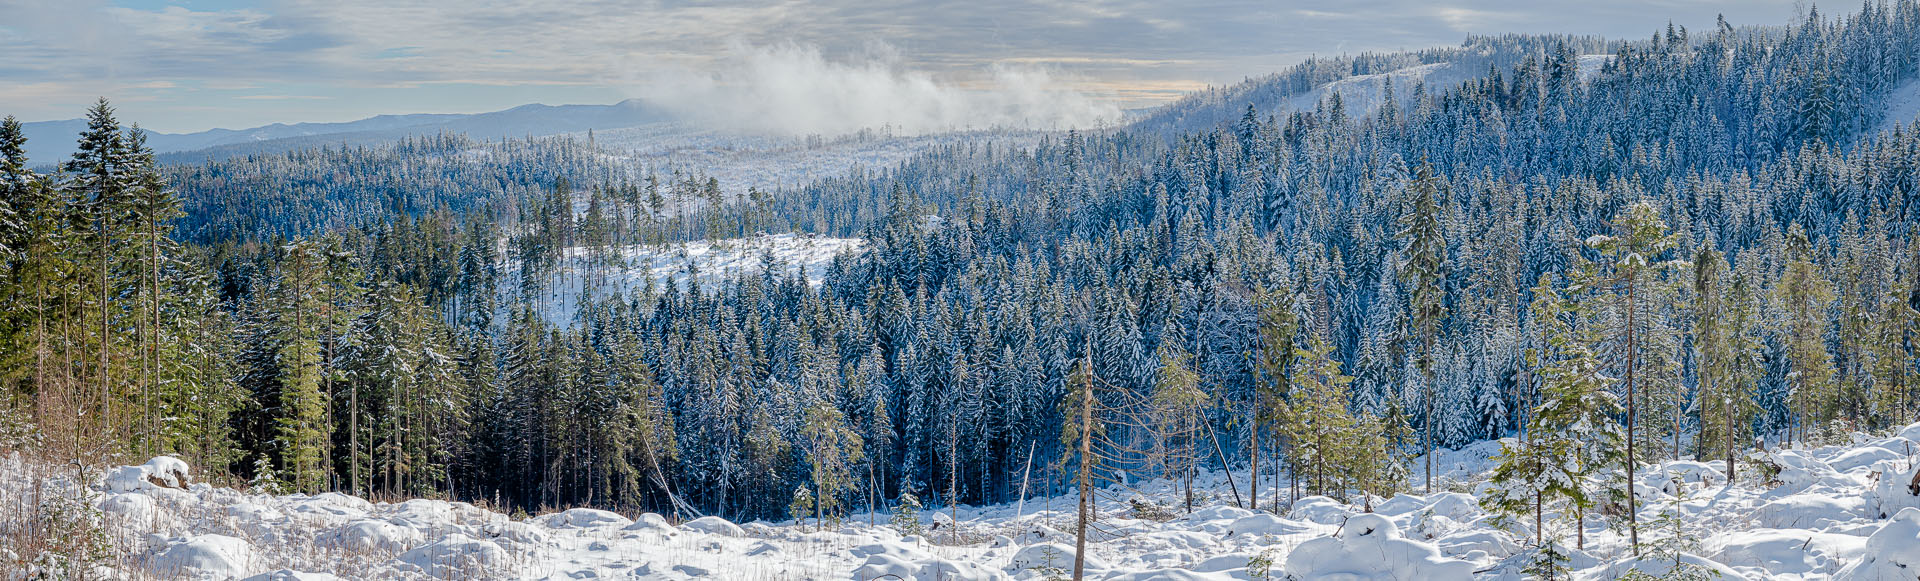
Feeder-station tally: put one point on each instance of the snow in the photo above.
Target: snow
(1785, 553)
(714, 525)
(1892, 553)
(457, 555)
(1902, 107)
(203, 556)
(709, 261)
(160, 472)
(1835, 512)
(583, 518)
(1369, 547)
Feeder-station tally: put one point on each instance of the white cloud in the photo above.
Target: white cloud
(794, 89)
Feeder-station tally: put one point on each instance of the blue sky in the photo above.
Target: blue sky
(190, 65)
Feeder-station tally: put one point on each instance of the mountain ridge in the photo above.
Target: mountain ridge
(50, 142)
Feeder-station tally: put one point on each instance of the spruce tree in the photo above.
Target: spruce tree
(303, 429)
(1425, 271)
(100, 178)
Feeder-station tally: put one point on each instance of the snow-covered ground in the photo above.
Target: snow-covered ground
(1835, 512)
(1903, 107)
(1363, 94)
(710, 261)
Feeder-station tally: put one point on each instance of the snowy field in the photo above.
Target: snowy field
(706, 262)
(1837, 512)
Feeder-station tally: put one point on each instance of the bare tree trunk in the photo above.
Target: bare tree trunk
(1427, 429)
(1633, 516)
(1085, 477)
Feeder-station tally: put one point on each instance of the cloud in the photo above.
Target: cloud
(794, 89)
(381, 56)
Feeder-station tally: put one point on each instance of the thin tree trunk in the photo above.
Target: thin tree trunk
(1253, 458)
(1633, 516)
(106, 370)
(1223, 468)
(1728, 406)
(1427, 429)
(1085, 477)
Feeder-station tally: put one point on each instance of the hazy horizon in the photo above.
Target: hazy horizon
(191, 65)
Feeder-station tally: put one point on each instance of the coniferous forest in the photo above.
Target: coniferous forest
(1692, 245)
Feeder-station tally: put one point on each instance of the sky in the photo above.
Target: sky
(191, 65)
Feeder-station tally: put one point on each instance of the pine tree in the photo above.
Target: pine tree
(1893, 361)
(1318, 426)
(152, 207)
(1078, 433)
(1630, 288)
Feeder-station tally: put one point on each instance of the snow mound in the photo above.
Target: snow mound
(1777, 552)
(292, 575)
(1891, 493)
(1892, 554)
(203, 557)
(925, 569)
(1863, 457)
(1800, 471)
(160, 472)
(457, 556)
(1320, 509)
(372, 535)
(582, 518)
(134, 509)
(649, 522)
(1050, 556)
(1369, 547)
(714, 525)
(1658, 568)
(1266, 524)
(1809, 511)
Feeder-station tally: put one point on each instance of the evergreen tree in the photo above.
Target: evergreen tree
(1425, 271)
(1629, 288)
(1273, 366)
(1725, 358)
(1805, 295)
(833, 449)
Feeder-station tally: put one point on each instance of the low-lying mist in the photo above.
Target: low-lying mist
(794, 90)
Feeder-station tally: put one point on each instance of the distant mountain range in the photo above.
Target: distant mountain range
(50, 142)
